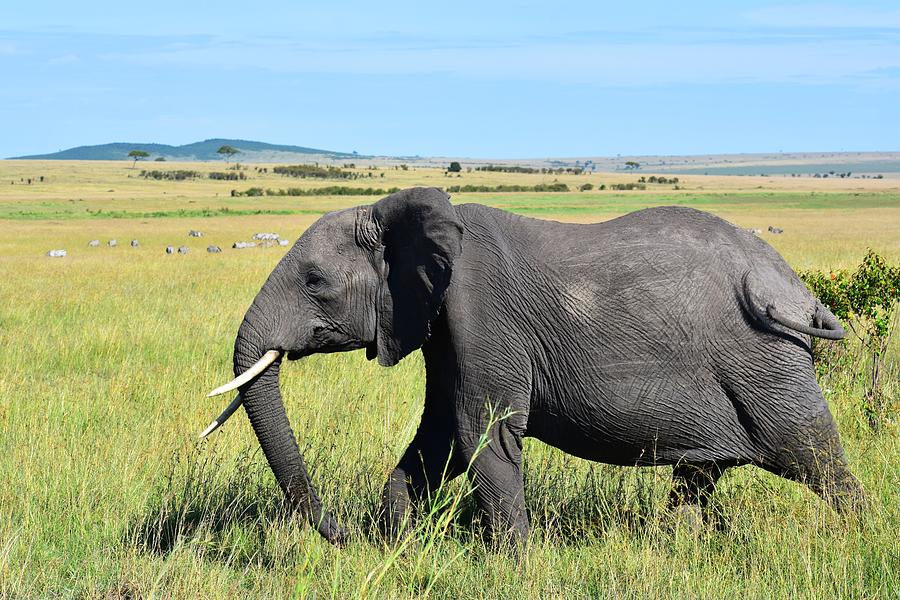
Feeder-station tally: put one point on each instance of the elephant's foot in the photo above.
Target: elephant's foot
(687, 517)
(392, 525)
(689, 500)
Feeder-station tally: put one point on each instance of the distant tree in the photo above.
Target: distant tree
(160, 159)
(454, 167)
(630, 164)
(227, 151)
(586, 187)
(137, 155)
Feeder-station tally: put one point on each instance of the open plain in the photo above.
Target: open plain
(106, 356)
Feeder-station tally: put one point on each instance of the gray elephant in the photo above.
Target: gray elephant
(664, 337)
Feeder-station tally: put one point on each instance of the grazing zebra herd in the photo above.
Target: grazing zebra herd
(261, 240)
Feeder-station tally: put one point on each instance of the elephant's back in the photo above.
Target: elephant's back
(649, 231)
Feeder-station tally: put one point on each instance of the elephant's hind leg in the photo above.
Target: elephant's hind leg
(812, 454)
(790, 428)
(692, 487)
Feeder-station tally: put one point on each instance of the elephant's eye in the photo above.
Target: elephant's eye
(314, 281)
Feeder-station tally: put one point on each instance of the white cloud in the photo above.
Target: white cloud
(580, 60)
(65, 59)
(838, 16)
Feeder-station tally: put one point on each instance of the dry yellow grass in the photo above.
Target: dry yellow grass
(106, 355)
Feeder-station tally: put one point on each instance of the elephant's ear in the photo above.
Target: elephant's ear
(421, 238)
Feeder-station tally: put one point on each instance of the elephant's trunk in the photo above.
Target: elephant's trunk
(264, 406)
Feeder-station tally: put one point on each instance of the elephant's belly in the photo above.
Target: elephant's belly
(631, 424)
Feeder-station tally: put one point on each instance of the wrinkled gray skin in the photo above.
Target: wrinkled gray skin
(640, 341)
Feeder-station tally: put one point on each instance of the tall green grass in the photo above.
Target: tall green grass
(105, 359)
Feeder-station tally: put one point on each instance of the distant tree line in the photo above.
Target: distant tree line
(332, 190)
(518, 169)
(507, 169)
(183, 175)
(179, 175)
(314, 172)
(655, 179)
(233, 176)
(541, 187)
(833, 174)
(627, 186)
(29, 180)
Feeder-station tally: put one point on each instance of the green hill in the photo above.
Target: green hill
(205, 150)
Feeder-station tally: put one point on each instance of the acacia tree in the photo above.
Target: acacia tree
(227, 151)
(137, 155)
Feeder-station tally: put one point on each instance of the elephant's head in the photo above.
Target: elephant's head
(369, 277)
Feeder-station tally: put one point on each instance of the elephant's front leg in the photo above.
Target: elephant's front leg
(427, 463)
(495, 469)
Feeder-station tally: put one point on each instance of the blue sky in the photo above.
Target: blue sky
(480, 79)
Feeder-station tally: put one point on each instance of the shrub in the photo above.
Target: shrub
(586, 187)
(541, 187)
(334, 190)
(314, 172)
(235, 176)
(179, 175)
(507, 169)
(867, 300)
(657, 179)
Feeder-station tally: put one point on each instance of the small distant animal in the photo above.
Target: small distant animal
(94, 243)
(775, 229)
(283, 242)
(755, 231)
(182, 249)
(213, 249)
(194, 233)
(265, 236)
(240, 245)
(134, 243)
(57, 253)
(170, 249)
(112, 243)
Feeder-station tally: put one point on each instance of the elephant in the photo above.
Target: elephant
(666, 336)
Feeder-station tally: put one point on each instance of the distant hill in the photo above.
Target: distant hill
(205, 150)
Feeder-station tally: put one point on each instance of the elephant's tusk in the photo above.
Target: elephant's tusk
(267, 359)
(229, 410)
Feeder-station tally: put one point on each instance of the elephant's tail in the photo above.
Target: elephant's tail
(824, 324)
(831, 328)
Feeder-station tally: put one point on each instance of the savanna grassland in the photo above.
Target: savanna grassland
(106, 356)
